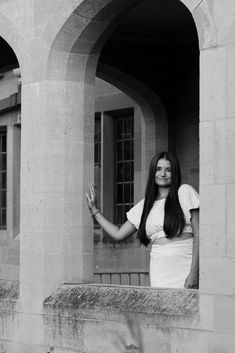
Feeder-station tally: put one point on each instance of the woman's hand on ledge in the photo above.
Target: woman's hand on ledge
(192, 281)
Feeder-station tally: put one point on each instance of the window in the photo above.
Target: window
(124, 166)
(114, 163)
(3, 178)
(97, 163)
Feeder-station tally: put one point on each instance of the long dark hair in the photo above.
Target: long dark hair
(174, 220)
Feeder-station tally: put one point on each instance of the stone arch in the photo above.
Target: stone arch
(76, 20)
(63, 94)
(9, 33)
(83, 29)
(204, 22)
(153, 111)
(71, 68)
(84, 33)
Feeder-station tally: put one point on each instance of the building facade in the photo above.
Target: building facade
(72, 70)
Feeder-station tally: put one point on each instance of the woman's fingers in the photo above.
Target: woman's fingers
(91, 190)
(90, 195)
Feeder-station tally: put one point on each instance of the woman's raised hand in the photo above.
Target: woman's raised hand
(91, 198)
(118, 234)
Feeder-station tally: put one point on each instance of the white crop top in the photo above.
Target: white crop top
(189, 200)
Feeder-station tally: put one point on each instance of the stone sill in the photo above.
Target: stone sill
(114, 303)
(9, 294)
(9, 290)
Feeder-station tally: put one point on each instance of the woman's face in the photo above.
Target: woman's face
(163, 173)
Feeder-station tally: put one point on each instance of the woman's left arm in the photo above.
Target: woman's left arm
(192, 280)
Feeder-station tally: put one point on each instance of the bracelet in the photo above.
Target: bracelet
(95, 213)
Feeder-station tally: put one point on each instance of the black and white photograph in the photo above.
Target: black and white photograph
(117, 176)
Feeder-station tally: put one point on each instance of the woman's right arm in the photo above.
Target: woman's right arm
(114, 231)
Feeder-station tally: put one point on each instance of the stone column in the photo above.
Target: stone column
(57, 165)
(217, 143)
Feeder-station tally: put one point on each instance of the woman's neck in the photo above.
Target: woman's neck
(163, 192)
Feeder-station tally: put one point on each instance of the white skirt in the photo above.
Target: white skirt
(170, 263)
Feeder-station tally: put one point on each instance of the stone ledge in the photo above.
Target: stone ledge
(9, 294)
(88, 298)
(9, 290)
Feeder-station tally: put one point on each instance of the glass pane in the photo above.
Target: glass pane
(4, 162)
(120, 172)
(132, 128)
(132, 171)
(4, 143)
(132, 192)
(4, 218)
(127, 150)
(119, 132)
(127, 128)
(97, 175)
(97, 130)
(3, 199)
(119, 210)
(119, 193)
(119, 151)
(3, 180)
(96, 154)
(127, 173)
(132, 150)
(127, 193)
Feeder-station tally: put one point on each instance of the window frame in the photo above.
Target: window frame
(3, 132)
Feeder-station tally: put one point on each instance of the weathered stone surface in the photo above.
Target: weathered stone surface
(95, 318)
(224, 144)
(217, 275)
(130, 299)
(186, 341)
(213, 220)
(207, 152)
(224, 17)
(213, 84)
(9, 290)
(221, 342)
(205, 23)
(224, 314)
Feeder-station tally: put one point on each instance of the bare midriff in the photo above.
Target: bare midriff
(164, 241)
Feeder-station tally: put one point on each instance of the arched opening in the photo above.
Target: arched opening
(159, 49)
(90, 35)
(10, 145)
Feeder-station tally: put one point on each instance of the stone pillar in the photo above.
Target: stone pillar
(58, 78)
(217, 161)
(57, 165)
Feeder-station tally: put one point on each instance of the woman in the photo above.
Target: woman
(168, 218)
